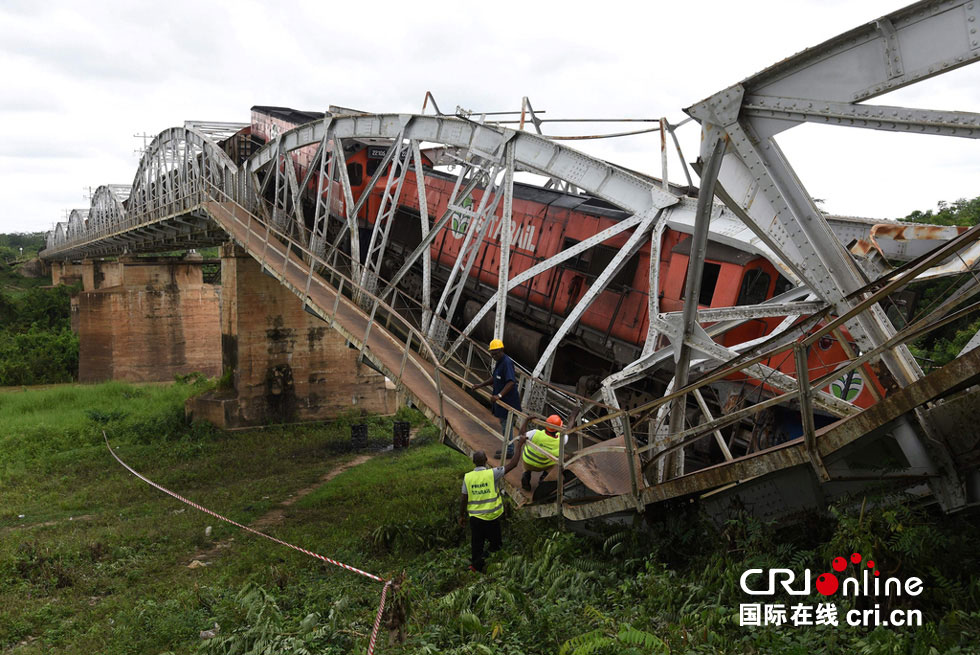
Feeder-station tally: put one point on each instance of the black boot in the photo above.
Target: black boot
(526, 481)
(544, 474)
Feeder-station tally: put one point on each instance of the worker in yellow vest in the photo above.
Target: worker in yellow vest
(537, 459)
(481, 501)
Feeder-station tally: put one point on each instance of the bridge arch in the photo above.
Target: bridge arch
(56, 237)
(108, 211)
(77, 224)
(177, 169)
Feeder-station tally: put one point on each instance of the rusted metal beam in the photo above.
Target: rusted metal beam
(959, 373)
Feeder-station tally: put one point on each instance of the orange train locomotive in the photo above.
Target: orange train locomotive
(610, 334)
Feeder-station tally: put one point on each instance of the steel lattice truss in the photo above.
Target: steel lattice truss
(764, 210)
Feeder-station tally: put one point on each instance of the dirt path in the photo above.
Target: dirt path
(277, 515)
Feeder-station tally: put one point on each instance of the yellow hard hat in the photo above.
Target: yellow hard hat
(496, 344)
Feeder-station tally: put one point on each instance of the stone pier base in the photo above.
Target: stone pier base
(145, 319)
(286, 365)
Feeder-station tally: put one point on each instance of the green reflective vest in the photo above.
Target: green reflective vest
(483, 499)
(546, 442)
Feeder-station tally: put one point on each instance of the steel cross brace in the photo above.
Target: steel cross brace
(629, 249)
(548, 264)
(371, 270)
(476, 231)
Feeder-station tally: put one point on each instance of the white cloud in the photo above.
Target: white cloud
(80, 79)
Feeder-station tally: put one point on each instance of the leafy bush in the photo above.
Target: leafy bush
(37, 345)
(38, 356)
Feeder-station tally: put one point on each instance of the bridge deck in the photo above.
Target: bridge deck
(470, 424)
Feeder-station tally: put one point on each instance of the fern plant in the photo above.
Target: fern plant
(623, 638)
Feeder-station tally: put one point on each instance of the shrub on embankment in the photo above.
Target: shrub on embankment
(37, 345)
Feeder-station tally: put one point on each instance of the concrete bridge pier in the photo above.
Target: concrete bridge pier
(144, 319)
(281, 364)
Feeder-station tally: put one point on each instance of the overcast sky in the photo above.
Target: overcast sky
(78, 80)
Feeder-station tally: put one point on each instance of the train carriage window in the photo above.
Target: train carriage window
(782, 286)
(709, 280)
(356, 173)
(593, 261)
(579, 262)
(755, 287)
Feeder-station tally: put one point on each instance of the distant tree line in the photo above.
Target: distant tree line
(11, 245)
(37, 345)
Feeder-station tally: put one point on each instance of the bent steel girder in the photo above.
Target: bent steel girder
(824, 84)
(531, 153)
(486, 148)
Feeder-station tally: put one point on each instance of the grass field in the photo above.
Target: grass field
(92, 560)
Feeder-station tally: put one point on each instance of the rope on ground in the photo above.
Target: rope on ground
(387, 583)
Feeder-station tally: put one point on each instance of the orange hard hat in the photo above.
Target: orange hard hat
(554, 420)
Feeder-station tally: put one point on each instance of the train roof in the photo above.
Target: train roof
(288, 114)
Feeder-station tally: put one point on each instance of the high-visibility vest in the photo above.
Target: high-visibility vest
(483, 499)
(546, 442)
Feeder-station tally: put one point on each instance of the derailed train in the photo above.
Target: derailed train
(613, 329)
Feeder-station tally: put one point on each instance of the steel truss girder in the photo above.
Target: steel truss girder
(429, 234)
(476, 231)
(176, 166)
(400, 163)
(633, 244)
(611, 183)
(906, 46)
(184, 155)
(746, 312)
(876, 117)
(822, 84)
(549, 264)
(649, 360)
(531, 152)
(700, 341)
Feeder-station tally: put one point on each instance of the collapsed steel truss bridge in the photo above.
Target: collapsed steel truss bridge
(188, 192)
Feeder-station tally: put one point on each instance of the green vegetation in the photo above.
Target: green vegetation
(93, 560)
(20, 246)
(37, 345)
(960, 212)
(940, 347)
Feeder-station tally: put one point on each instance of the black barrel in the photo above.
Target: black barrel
(400, 431)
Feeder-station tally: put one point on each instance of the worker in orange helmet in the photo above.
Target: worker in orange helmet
(543, 454)
(504, 381)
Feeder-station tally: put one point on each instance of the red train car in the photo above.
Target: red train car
(611, 333)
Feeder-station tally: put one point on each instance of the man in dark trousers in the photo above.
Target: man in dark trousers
(481, 501)
(504, 381)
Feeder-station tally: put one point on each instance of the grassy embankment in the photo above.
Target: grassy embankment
(99, 561)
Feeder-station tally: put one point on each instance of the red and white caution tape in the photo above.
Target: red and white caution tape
(377, 619)
(387, 583)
